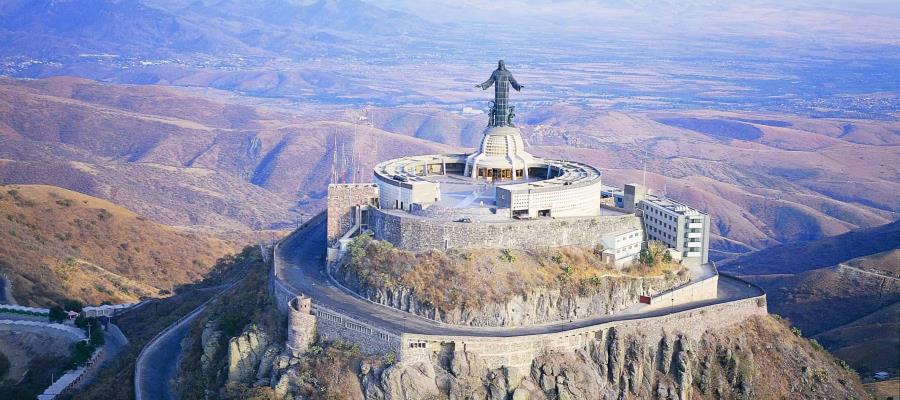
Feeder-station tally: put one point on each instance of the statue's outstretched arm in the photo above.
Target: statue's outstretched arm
(514, 84)
(488, 83)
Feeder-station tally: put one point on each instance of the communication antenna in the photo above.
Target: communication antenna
(333, 158)
(644, 166)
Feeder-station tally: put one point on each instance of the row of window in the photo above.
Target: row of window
(630, 236)
(660, 232)
(629, 249)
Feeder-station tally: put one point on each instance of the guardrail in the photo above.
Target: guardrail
(77, 333)
(69, 379)
(24, 310)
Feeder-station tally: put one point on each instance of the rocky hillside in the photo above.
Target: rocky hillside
(57, 244)
(759, 358)
(843, 291)
(502, 287)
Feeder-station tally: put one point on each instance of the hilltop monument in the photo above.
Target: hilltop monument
(501, 113)
(501, 155)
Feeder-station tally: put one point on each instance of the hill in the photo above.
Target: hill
(57, 244)
(186, 158)
(182, 159)
(804, 256)
(836, 293)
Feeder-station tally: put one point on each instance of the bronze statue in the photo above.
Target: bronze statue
(501, 79)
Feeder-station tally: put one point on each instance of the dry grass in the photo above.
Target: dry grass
(476, 277)
(762, 358)
(57, 244)
(885, 389)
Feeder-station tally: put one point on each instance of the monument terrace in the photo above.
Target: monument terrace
(502, 196)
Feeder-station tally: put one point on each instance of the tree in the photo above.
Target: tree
(645, 257)
(57, 314)
(73, 305)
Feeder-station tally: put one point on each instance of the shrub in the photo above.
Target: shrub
(507, 255)
(391, 358)
(72, 305)
(557, 258)
(104, 215)
(816, 345)
(796, 331)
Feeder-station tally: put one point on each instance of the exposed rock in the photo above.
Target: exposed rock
(536, 306)
(266, 362)
(245, 353)
(409, 381)
(759, 358)
(210, 339)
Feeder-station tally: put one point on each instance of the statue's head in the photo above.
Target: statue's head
(501, 65)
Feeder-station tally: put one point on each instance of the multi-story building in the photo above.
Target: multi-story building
(679, 226)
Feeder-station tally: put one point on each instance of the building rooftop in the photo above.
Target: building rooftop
(672, 205)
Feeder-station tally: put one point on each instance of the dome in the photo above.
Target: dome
(502, 148)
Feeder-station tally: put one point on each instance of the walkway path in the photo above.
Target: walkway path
(300, 262)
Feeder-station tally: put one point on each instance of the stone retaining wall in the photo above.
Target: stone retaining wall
(332, 325)
(517, 353)
(419, 234)
(705, 289)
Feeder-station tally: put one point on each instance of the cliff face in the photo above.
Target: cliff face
(759, 358)
(538, 305)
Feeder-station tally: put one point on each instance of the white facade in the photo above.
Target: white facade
(678, 226)
(623, 247)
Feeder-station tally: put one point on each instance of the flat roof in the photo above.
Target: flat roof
(672, 205)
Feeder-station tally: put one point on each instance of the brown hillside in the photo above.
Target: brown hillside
(182, 158)
(843, 291)
(56, 244)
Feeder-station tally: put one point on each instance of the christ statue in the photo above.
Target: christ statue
(501, 79)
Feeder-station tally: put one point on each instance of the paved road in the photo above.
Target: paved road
(158, 362)
(114, 342)
(300, 263)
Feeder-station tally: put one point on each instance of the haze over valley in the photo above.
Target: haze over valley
(144, 143)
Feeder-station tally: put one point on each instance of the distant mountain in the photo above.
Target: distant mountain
(61, 29)
(798, 257)
(183, 159)
(128, 28)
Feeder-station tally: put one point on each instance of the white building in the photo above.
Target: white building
(679, 226)
(623, 247)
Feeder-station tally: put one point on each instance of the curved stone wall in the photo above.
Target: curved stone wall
(414, 233)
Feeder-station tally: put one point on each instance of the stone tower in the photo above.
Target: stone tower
(301, 325)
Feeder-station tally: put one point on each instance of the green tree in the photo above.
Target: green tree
(57, 314)
(73, 305)
(645, 257)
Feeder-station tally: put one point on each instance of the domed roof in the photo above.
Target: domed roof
(501, 147)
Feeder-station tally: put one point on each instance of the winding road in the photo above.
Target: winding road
(157, 364)
(300, 265)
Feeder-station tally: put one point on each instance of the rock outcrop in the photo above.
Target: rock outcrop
(536, 306)
(757, 358)
(210, 339)
(250, 356)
